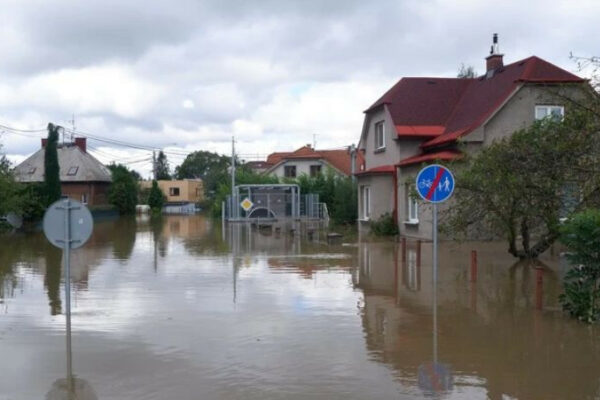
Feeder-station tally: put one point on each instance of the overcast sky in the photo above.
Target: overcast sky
(188, 74)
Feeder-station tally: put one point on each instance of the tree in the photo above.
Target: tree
(9, 200)
(123, 192)
(212, 168)
(51, 167)
(156, 198)
(466, 71)
(581, 235)
(162, 167)
(521, 186)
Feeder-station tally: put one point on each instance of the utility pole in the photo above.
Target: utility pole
(232, 165)
(72, 122)
(154, 163)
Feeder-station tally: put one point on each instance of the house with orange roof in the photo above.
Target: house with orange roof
(426, 120)
(312, 162)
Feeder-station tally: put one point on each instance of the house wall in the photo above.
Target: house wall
(517, 113)
(96, 193)
(190, 190)
(302, 167)
(382, 195)
(387, 156)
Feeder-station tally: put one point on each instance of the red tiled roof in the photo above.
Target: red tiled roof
(445, 155)
(419, 130)
(382, 169)
(448, 108)
(339, 159)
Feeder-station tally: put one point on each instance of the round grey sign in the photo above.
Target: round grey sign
(71, 213)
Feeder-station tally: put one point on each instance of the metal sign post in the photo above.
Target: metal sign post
(435, 184)
(68, 225)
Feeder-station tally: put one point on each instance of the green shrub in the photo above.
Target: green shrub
(123, 190)
(581, 235)
(384, 226)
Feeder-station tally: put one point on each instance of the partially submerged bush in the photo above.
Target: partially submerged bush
(582, 282)
(384, 226)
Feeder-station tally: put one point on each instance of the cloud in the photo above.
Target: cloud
(273, 73)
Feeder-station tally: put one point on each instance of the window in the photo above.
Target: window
(72, 171)
(379, 136)
(31, 170)
(315, 170)
(289, 171)
(542, 112)
(366, 202)
(412, 207)
(174, 191)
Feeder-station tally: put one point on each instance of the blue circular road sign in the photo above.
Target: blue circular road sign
(435, 183)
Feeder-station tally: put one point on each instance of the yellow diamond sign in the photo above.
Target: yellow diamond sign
(246, 204)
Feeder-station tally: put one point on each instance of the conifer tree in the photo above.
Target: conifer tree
(52, 188)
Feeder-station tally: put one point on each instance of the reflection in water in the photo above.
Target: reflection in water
(52, 278)
(123, 246)
(503, 334)
(239, 312)
(80, 390)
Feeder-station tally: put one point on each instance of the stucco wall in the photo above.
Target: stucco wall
(389, 155)
(382, 195)
(519, 111)
(190, 190)
(302, 167)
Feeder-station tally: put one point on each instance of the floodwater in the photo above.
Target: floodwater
(181, 309)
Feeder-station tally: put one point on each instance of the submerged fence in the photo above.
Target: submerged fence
(273, 205)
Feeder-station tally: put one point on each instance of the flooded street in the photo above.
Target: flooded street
(184, 310)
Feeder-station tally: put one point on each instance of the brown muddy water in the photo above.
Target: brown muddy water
(184, 310)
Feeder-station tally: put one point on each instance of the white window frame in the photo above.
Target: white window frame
(378, 131)
(412, 207)
(366, 202)
(548, 111)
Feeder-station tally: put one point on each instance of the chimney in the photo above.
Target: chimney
(494, 60)
(44, 142)
(81, 143)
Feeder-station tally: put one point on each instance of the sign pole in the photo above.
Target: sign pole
(434, 280)
(67, 254)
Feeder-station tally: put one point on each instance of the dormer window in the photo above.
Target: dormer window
(72, 171)
(553, 111)
(379, 136)
(31, 170)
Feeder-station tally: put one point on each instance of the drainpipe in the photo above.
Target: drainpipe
(395, 179)
(353, 161)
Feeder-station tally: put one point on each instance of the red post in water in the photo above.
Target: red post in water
(539, 287)
(404, 250)
(419, 253)
(473, 266)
